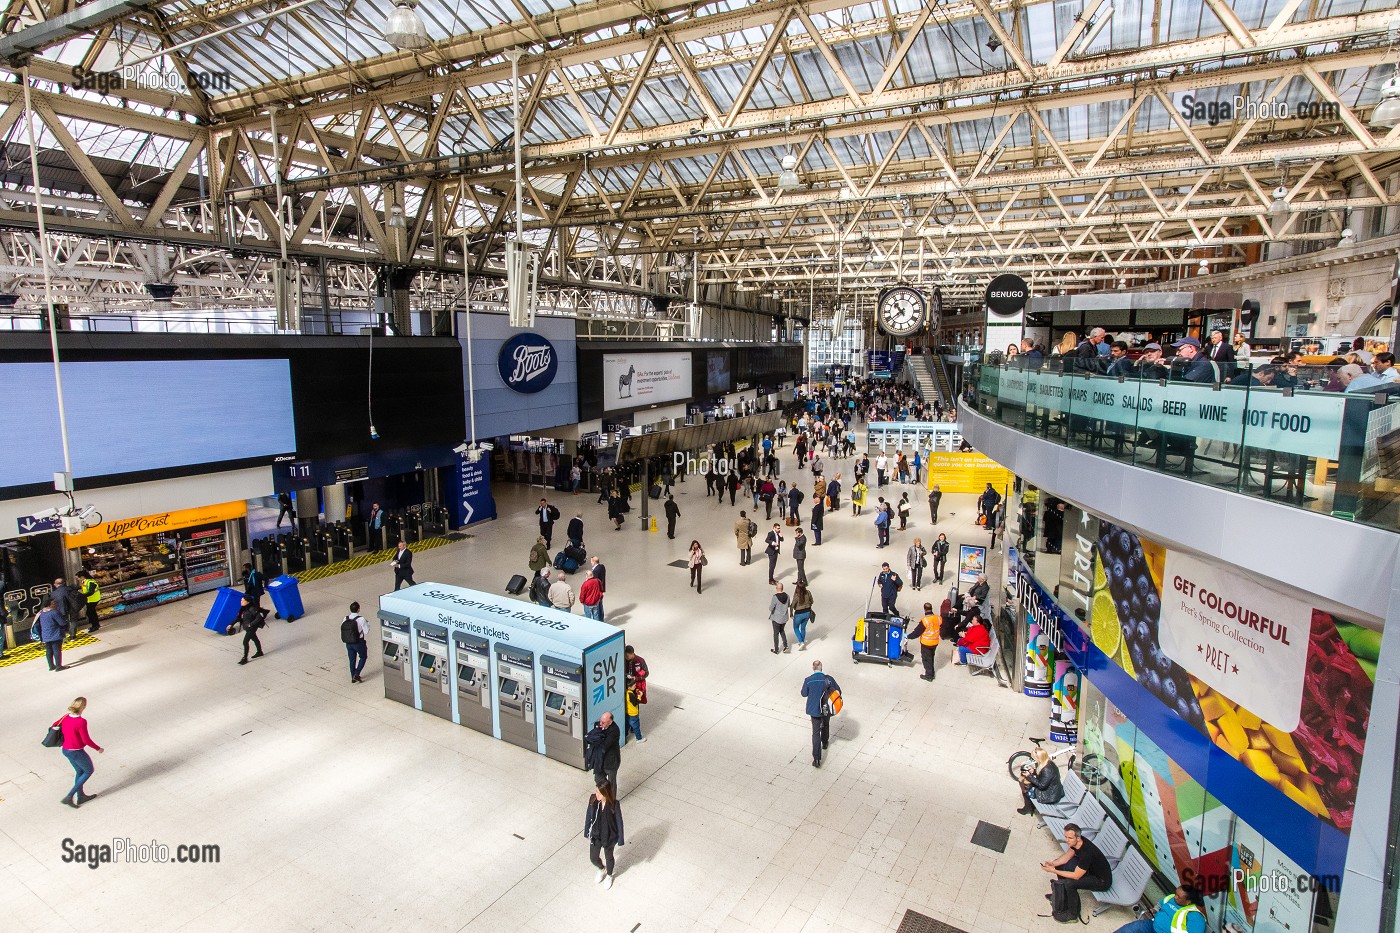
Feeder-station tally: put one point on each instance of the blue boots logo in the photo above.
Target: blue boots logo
(528, 363)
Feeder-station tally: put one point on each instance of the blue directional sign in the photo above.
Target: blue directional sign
(33, 524)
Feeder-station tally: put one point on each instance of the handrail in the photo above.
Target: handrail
(1280, 432)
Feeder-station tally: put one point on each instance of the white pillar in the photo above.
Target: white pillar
(334, 499)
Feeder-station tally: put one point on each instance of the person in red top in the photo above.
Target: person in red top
(591, 595)
(974, 641)
(76, 741)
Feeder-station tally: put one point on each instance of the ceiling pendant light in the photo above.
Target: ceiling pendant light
(1387, 112)
(1279, 205)
(788, 179)
(1348, 237)
(404, 28)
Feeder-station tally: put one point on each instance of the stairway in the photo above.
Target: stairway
(945, 385)
(922, 375)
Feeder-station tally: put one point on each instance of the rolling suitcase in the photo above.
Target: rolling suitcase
(516, 586)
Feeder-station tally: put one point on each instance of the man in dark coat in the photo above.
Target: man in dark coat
(673, 512)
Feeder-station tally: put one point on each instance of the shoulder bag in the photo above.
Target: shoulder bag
(54, 737)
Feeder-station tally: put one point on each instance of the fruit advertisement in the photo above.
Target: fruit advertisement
(1281, 687)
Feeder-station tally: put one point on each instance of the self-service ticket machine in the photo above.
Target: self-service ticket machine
(532, 675)
(472, 661)
(398, 660)
(515, 687)
(434, 672)
(562, 705)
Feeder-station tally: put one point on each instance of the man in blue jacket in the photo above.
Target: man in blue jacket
(52, 625)
(889, 585)
(815, 688)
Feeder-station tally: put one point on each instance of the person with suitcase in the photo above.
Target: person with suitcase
(354, 633)
(539, 588)
(575, 531)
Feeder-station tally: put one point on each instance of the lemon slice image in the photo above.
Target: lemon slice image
(1104, 627)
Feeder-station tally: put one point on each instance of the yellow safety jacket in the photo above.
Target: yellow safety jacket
(929, 637)
(94, 595)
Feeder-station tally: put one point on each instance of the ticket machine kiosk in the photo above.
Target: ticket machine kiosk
(398, 662)
(472, 661)
(531, 675)
(561, 704)
(515, 690)
(434, 673)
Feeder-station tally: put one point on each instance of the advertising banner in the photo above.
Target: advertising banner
(1064, 702)
(631, 380)
(972, 562)
(1309, 424)
(965, 472)
(1040, 658)
(469, 492)
(1237, 636)
(1295, 714)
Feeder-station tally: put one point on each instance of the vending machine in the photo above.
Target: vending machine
(472, 661)
(531, 675)
(398, 661)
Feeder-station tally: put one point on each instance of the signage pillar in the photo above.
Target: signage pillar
(1005, 319)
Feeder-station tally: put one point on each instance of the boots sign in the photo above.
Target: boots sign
(528, 363)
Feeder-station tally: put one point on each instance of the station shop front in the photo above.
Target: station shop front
(154, 559)
(1221, 717)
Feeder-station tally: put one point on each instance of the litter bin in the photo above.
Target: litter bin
(286, 598)
(226, 605)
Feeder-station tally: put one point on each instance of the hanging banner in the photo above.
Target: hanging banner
(1237, 636)
(1064, 702)
(965, 472)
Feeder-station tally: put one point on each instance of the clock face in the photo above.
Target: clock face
(902, 311)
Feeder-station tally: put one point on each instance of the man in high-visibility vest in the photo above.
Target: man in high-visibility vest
(1179, 912)
(88, 590)
(927, 634)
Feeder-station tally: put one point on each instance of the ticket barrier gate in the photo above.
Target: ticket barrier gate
(318, 548)
(411, 529)
(398, 657)
(295, 550)
(434, 672)
(433, 520)
(562, 705)
(391, 532)
(270, 557)
(515, 688)
(472, 662)
(341, 546)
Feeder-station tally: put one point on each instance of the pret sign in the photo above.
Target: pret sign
(528, 363)
(1007, 294)
(1239, 637)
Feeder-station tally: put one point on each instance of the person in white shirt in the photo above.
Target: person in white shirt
(561, 595)
(1242, 349)
(1384, 367)
(881, 465)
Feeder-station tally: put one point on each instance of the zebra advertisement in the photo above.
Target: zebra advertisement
(635, 380)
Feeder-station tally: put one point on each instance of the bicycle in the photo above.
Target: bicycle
(1090, 769)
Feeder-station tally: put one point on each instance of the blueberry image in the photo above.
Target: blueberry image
(1144, 585)
(1152, 681)
(1118, 570)
(1170, 691)
(1137, 605)
(1125, 542)
(1125, 609)
(1152, 606)
(1142, 634)
(1185, 709)
(1136, 653)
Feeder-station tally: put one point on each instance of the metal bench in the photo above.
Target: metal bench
(1065, 807)
(1089, 816)
(985, 663)
(1130, 878)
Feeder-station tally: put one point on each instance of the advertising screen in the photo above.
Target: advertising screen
(717, 378)
(632, 380)
(128, 417)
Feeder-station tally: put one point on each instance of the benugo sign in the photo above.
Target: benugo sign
(156, 524)
(1307, 423)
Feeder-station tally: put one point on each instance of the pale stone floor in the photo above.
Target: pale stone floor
(336, 809)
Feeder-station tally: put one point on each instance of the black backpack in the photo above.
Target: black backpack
(753, 528)
(1064, 902)
(350, 631)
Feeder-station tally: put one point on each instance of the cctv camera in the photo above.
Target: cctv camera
(462, 448)
(89, 514)
(46, 513)
(486, 446)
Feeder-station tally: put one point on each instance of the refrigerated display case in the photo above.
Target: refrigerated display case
(204, 558)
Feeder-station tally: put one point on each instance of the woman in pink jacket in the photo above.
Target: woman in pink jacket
(76, 742)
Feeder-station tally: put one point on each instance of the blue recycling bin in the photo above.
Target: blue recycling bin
(286, 598)
(226, 604)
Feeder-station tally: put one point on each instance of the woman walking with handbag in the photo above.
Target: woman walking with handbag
(697, 562)
(602, 827)
(76, 742)
(801, 613)
(916, 558)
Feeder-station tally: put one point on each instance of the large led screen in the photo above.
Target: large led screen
(133, 416)
(633, 380)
